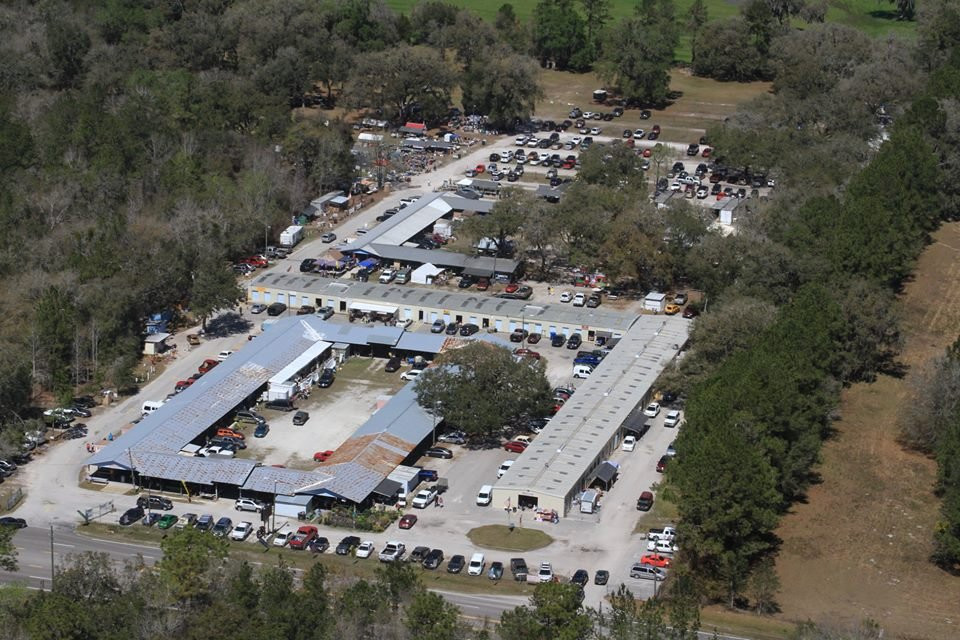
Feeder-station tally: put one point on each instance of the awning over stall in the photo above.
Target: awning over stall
(387, 488)
(369, 307)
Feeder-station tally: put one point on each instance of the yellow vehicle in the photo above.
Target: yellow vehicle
(672, 309)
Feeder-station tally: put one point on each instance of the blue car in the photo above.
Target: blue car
(262, 430)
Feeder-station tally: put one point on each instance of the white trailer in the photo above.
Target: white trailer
(291, 236)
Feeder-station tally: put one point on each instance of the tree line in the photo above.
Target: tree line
(803, 305)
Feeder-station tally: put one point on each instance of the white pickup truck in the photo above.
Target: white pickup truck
(392, 552)
(666, 533)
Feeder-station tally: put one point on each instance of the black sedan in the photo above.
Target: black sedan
(16, 523)
(602, 577)
(558, 340)
(580, 577)
(347, 545)
(433, 560)
(131, 516)
(453, 328)
(438, 452)
(456, 564)
(326, 378)
(393, 364)
(469, 329)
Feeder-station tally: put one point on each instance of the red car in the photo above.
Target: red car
(407, 521)
(182, 384)
(706, 152)
(255, 261)
(690, 312)
(512, 287)
(208, 364)
(479, 168)
(303, 537)
(526, 353)
(515, 446)
(656, 560)
(483, 284)
(647, 153)
(322, 456)
(662, 463)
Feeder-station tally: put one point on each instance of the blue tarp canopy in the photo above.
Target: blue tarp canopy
(369, 263)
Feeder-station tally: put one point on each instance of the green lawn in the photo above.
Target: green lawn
(501, 537)
(874, 17)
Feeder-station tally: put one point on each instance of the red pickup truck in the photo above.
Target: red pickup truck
(303, 537)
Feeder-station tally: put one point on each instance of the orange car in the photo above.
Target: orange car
(672, 309)
(230, 433)
(656, 560)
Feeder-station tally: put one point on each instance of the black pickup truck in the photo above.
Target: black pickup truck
(518, 567)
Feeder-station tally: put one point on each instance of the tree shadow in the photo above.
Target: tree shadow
(228, 324)
(884, 14)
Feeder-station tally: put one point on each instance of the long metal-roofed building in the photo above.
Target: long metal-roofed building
(154, 447)
(564, 458)
(427, 305)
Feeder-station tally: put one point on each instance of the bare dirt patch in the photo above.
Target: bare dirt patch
(859, 547)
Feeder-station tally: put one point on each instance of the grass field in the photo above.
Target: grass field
(858, 547)
(871, 16)
(502, 538)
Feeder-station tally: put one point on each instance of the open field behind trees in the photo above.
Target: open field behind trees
(860, 546)
(700, 103)
(874, 17)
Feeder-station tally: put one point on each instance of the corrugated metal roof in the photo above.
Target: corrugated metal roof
(600, 318)
(282, 481)
(218, 392)
(402, 417)
(459, 203)
(422, 342)
(573, 441)
(193, 469)
(313, 352)
(405, 224)
(357, 333)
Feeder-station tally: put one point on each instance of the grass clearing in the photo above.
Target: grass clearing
(723, 621)
(859, 547)
(503, 538)
(343, 567)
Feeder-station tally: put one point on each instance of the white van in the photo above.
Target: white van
(150, 406)
(485, 495)
(475, 568)
(582, 370)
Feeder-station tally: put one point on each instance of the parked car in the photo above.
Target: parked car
(672, 418)
(504, 467)
(276, 309)
(518, 335)
(407, 521)
(412, 374)
(580, 577)
(418, 554)
(242, 531)
(456, 564)
(662, 463)
(438, 326)
(280, 405)
(438, 452)
(151, 519)
(248, 504)
(691, 312)
(131, 515)
(558, 340)
(392, 551)
(515, 446)
(545, 573)
(469, 329)
(300, 418)
(424, 498)
(579, 300)
(347, 545)
(574, 341)
(326, 378)
(324, 313)
(645, 501)
(322, 456)
(262, 430)
(477, 563)
(155, 502)
(223, 527)
(453, 437)
(496, 571)
(303, 537)
(629, 443)
(166, 521)
(643, 572)
(652, 410)
(656, 560)
(328, 237)
(282, 538)
(366, 549)
(433, 559)
(602, 577)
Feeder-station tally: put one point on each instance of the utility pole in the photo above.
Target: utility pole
(53, 569)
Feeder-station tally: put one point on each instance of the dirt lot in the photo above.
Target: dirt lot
(858, 548)
(701, 103)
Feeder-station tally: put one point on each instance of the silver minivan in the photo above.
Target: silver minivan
(645, 572)
(403, 276)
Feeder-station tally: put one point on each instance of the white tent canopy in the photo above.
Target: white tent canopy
(425, 273)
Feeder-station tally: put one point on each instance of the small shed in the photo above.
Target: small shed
(292, 506)
(155, 344)
(425, 273)
(655, 301)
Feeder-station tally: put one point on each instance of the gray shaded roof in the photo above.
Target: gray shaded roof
(606, 472)
(387, 488)
(193, 469)
(356, 333)
(570, 446)
(402, 417)
(442, 258)
(423, 342)
(466, 303)
(459, 203)
(282, 481)
(218, 392)
(405, 224)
